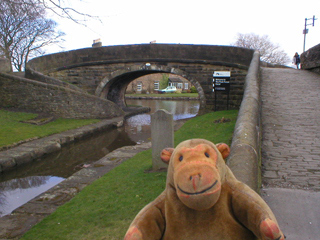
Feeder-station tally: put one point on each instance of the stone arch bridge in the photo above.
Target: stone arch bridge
(106, 71)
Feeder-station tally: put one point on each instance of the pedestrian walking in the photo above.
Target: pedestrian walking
(296, 60)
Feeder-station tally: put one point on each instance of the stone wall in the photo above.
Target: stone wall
(310, 60)
(22, 93)
(34, 75)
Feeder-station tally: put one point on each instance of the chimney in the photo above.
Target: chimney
(97, 43)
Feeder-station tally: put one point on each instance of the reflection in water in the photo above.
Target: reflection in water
(138, 127)
(16, 192)
(179, 109)
(71, 157)
(20, 185)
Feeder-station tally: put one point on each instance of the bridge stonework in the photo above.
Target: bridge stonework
(107, 71)
(310, 60)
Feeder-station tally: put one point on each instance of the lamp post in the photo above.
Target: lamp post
(305, 30)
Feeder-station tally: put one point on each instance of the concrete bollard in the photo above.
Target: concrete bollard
(161, 136)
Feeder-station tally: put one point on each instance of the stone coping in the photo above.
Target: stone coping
(245, 157)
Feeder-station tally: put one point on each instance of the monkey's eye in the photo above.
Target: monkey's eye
(207, 154)
(180, 158)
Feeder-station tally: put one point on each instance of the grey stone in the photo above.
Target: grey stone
(5, 65)
(162, 136)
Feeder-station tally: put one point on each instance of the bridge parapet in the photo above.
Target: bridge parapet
(140, 53)
(310, 60)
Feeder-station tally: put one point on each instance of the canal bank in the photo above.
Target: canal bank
(35, 149)
(14, 225)
(24, 182)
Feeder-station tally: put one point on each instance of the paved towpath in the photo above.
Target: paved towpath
(291, 149)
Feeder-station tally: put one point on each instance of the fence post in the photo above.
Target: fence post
(161, 136)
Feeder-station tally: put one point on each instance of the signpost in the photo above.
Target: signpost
(221, 82)
(305, 30)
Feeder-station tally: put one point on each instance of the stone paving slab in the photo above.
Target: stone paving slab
(290, 149)
(297, 212)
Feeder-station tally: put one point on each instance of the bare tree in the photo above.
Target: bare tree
(39, 34)
(24, 30)
(269, 51)
(58, 7)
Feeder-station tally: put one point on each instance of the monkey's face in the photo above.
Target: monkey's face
(196, 177)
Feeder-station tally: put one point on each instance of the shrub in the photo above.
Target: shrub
(193, 89)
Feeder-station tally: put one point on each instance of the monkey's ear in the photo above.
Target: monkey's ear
(166, 154)
(224, 149)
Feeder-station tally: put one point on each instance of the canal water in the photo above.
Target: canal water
(21, 185)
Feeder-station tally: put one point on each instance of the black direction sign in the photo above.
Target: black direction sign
(221, 81)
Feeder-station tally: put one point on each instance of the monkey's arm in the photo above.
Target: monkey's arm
(149, 223)
(253, 212)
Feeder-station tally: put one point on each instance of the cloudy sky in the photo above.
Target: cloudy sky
(192, 22)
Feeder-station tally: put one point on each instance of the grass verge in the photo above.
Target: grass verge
(104, 209)
(13, 130)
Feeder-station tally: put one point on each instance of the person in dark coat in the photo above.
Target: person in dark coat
(296, 60)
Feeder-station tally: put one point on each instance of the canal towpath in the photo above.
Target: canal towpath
(291, 149)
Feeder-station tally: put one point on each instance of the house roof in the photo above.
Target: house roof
(175, 79)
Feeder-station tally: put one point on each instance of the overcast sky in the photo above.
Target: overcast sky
(192, 22)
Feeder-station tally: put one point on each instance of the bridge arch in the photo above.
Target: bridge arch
(106, 71)
(114, 85)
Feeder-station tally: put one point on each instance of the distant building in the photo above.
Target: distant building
(179, 83)
(151, 83)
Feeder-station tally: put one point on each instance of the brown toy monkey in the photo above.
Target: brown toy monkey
(203, 200)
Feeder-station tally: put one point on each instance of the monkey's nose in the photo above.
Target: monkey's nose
(196, 178)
